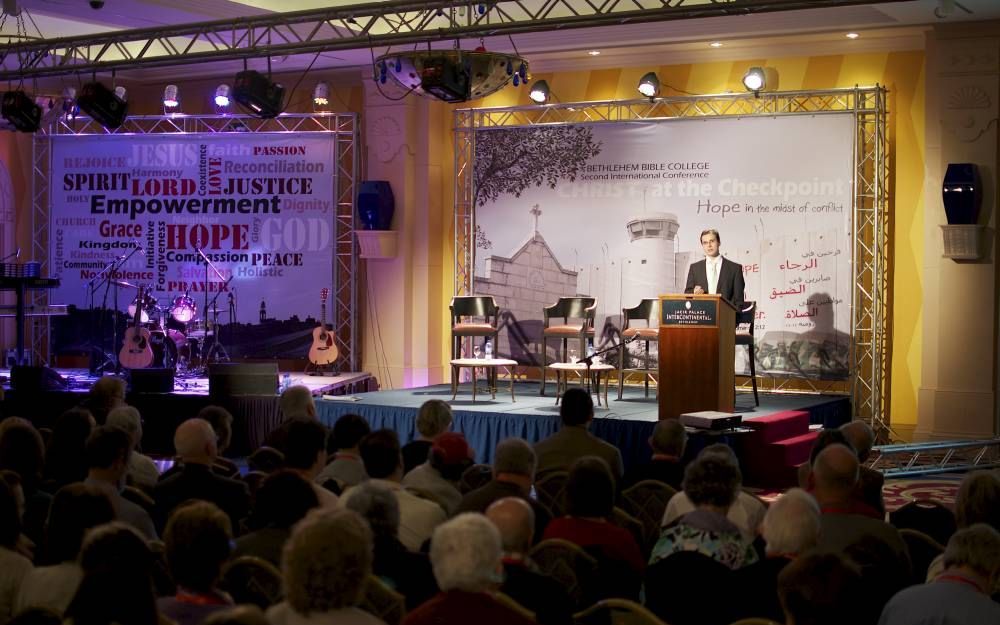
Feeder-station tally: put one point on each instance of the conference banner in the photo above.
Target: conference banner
(242, 223)
(614, 211)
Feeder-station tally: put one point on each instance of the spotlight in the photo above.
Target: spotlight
(171, 97)
(69, 106)
(122, 93)
(754, 80)
(649, 85)
(107, 108)
(539, 92)
(258, 93)
(21, 111)
(321, 94)
(222, 95)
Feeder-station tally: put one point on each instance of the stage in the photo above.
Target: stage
(626, 423)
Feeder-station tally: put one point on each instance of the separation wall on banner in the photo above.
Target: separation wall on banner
(259, 206)
(614, 211)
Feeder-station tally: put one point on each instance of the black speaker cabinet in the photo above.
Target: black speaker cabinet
(152, 380)
(228, 379)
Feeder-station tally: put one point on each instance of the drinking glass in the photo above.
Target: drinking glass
(573, 358)
(476, 351)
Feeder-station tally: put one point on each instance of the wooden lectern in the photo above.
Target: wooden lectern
(697, 347)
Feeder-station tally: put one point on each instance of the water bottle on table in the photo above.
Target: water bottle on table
(488, 349)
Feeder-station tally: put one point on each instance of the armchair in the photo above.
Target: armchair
(569, 318)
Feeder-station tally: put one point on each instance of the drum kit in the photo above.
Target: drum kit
(179, 338)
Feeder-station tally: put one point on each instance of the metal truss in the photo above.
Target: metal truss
(40, 167)
(344, 127)
(868, 383)
(940, 457)
(356, 27)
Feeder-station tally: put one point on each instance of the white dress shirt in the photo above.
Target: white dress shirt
(713, 280)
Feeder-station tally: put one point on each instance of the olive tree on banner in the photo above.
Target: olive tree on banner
(510, 160)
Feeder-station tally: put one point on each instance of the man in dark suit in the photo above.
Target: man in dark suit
(716, 274)
(572, 441)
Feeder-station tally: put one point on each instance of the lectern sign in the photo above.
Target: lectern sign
(688, 312)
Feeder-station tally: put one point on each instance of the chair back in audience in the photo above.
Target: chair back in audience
(475, 476)
(139, 498)
(926, 516)
(384, 602)
(923, 550)
(689, 588)
(551, 490)
(626, 521)
(616, 612)
(646, 501)
(253, 580)
(568, 564)
(513, 605)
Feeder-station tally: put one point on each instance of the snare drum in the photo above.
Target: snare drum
(148, 306)
(197, 329)
(183, 308)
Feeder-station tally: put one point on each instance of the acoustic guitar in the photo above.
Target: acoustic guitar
(136, 351)
(324, 349)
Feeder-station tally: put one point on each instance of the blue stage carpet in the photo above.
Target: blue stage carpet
(626, 423)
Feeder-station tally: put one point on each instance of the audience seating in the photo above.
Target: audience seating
(509, 602)
(777, 445)
(927, 516)
(688, 588)
(253, 480)
(253, 580)
(626, 521)
(745, 336)
(551, 491)
(923, 550)
(568, 564)
(646, 501)
(473, 316)
(616, 612)
(577, 315)
(648, 310)
(382, 601)
(475, 476)
(139, 498)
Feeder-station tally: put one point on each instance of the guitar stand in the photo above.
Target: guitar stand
(325, 370)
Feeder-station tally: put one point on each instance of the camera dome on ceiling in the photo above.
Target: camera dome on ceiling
(452, 75)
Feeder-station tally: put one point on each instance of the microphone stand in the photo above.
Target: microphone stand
(218, 350)
(114, 326)
(215, 331)
(589, 359)
(15, 254)
(93, 285)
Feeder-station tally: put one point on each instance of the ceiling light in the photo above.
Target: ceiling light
(716, 44)
(539, 92)
(70, 108)
(594, 53)
(321, 94)
(754, 79)
(451, 75)
(852, 35)
(649, 85)
(222, 95)
(171, 97)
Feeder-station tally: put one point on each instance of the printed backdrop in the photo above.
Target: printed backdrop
(258, 206)
(614, 211)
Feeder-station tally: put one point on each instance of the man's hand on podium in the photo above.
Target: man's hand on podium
(698, 290)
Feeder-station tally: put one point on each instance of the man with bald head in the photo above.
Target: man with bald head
(869, 490)
(523, 582)
(842, 529)
(195, 444)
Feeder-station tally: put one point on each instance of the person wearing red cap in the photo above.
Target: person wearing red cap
(437, 478)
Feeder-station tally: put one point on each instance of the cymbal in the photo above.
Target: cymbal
(127, 285)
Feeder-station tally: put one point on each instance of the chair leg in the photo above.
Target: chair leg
(753, 374)
(541, 391)
(621, 369)
(645, 365)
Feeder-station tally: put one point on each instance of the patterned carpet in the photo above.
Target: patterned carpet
(899, 492)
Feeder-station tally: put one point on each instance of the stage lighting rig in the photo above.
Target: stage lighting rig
(258, 93)
(107, 108)
(21, 111)
(452, 75)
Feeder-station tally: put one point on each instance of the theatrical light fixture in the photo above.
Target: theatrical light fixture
(69, 105)
(451, 75)
(21, 111)
(222, 95)
(171, 97)
(539, 92)
(754, 80)
(649, 85)
(107, 108)
(321, 94)
(122, 93)
(258, 93)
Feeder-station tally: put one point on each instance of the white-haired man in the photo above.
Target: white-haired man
(466, 554)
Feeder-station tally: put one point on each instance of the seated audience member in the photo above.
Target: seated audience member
(108, 449)
(197, 541)
(861, 437)
(835, 480)
(821, 589)
(283, 499)
(117, 584)
(384, 465)
(667, 442)
(295, 403)
(438, 477)
(406, 572)
(824, 439)
(75, 509)
(142, 472)
(513, 474)
(590, 500)
(324, 565)
(13, 566)
(790, 528)
(712, 484)
(305, 453)
(523, 582)
(36, 616)
(977, 501)
(573, 440)
(195, 444)
(105, 395)
(746, 512)
(347, 467)
(960, 595)
(23, 452)
(221, 421)
(466, 555)
(433, 418)
(66, 457)
(24, 545)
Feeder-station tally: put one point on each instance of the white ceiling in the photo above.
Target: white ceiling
(887, 26)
